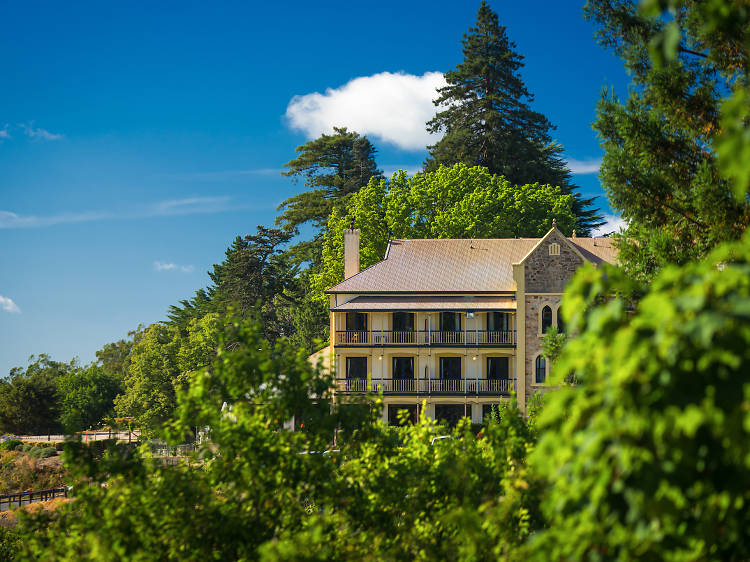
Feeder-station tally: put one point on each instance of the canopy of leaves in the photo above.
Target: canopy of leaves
(486, 119)
(660, 167)
(162, 362)
(86, 396)
(29, 397)
(455, 202)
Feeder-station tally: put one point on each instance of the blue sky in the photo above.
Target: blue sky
(138, 139)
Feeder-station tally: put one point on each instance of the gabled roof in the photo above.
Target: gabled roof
(456, 265)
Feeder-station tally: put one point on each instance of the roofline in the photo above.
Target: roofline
(423, 309)
(379, 293)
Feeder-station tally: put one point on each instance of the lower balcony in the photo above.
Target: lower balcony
(494, 387)
(425, 338)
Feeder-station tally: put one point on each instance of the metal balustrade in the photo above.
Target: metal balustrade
(501, 387)
(425, 337)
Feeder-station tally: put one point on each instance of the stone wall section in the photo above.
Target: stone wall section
(544, 274)
(549, 274)
(534, 305)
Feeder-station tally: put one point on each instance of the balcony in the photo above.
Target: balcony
(475, 387)
(425, 338)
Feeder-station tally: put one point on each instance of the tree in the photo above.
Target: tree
(333, 167)
(161, 363)
(456, 202)
(87, 396)
(487, 121)
(660, 168)
(29, 397)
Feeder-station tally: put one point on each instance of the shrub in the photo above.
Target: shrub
(10, 444)
(10, 544)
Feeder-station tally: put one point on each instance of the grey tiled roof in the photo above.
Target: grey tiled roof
(456, 265)
(372, 303)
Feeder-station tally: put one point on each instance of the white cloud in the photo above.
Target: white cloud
(173, 207)
(391, 107)
(39, 133)
(4, 133)
(169, 266)
(586, 166)
(612, 223)
(8, 305)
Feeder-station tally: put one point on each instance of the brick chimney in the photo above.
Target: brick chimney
(351, 251)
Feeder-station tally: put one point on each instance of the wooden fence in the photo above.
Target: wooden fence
(10, 501)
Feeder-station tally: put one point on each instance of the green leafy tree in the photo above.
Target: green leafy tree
(660, 167)
(487, 121)
(455, 202)
(162, 362)
(114, 357)
(332, 168)
(86, 396)
(648, 457)
(29, 402)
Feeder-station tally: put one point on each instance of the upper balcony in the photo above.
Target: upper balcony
(495, 338)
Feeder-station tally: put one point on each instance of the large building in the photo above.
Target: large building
(455, 323)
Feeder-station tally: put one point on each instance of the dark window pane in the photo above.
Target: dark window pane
(498, 368)
(450, 368)
(546, 318)
(394, 409)
(356, 367)
(356, 321)
(403, 322)
(560, 324)
(450, 413)
(541, 369)
(450, 322)
(498, 322)
(403, 368)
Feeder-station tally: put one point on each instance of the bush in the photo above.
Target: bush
(10, 544)
(10, 445)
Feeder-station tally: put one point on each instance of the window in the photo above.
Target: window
(394, 409)
(554, 249)
(356, 321)
(450, 322)
(546, 318)
(403, 368)
(356, 367)
(497, 368)
(403, 322)
(450, 368)
(541, 369)
(498, 322)
(450, 413)
(560, 323)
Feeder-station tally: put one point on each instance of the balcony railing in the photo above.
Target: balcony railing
(427, 386)
(425, 337)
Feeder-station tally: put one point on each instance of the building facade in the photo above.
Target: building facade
(456, 324)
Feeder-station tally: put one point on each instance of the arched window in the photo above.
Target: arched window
(541, 369)
(560, 323)
(546, 318)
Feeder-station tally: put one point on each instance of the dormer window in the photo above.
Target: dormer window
(554, 249)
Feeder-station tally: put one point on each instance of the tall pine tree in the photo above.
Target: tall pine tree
(660, 167)
(486, 119)
(332, 167)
